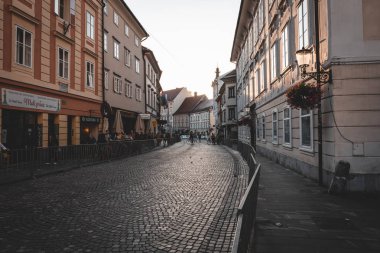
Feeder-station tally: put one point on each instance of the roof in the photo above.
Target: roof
(205, 105)
(172, 94)
(142, 30)
(189, 104)
(230, 74)
(242, 26)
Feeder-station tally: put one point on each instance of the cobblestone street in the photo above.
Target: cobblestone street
(182, 198)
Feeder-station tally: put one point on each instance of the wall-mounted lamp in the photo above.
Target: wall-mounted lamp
(304, 57)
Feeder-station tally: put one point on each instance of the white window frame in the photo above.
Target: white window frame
(116, 49)
(128, 89)
(127, 55)
(25, 47)
(258, 127)
(285, 47)
(106, 79)
(105, 7)
(137, 65)
(117, 84)
(115, 18)
(257, 82)
(90, 74)
(138, 93)
(126, 30)
(275, 126)
(105, 41)
(303, 25)
(137, 41)
(304, 147)
(262, 77)
(287, 119)
(64, 62)
(90, 25)
(273, 62)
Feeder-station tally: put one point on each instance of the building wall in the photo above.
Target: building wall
(48, 33)
(350, 104)
(118, 67)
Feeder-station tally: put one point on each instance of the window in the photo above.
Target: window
(257, 83)
(258, 126)
(105, 7)
(285, 47)
(262, 78)
(261, 15)
(231, 113)
(287, 127)
(255, 29)
(275, 126)
(90, 25)
(117, 86)
(116, 18)
(23, 47)
(127, 57)
(116, 49)
(137, 65)
(306, 122)
(59, 8)
(106, 79)
(303, 25)
(63, 63)
(263, 127)
(90, 74)
(138, 93)
(126, 30)
(105, 41)
(137, 41)
(273, 62)
(231, 92)
(128, 89)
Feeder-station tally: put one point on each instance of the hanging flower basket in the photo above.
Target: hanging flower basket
(303, 96)
(245, 121)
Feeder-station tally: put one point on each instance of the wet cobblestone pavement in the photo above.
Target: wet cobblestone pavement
(182, 198)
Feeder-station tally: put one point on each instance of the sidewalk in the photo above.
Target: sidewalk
(296, 215)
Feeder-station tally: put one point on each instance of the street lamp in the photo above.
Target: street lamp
(304, 57)
(321, 76)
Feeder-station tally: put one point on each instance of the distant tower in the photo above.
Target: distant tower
(217, 72)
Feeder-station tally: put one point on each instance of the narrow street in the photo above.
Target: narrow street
(182, 198)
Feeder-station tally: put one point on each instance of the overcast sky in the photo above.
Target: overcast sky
(189, 38)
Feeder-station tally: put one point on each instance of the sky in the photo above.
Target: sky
(189, 39)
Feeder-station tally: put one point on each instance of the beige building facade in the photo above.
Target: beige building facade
(124, 78)
(50, 72)
(266, 68)
(152, 90)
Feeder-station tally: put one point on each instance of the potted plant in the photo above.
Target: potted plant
(303, 96)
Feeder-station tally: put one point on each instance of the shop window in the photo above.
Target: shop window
(89, 74)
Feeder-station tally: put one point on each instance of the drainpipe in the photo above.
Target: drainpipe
(103, 64)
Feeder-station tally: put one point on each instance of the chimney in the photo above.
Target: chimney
(195, 94)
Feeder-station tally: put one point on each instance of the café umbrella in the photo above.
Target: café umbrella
(118, 124)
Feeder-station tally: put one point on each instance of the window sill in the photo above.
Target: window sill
(285, 70)
(287, 146)
(307, 151)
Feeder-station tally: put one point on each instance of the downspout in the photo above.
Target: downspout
(103, 64)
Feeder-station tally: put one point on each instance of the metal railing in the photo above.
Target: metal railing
(22, 164)
(246, 217)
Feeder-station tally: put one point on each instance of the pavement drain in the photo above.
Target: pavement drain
(269, 224)
(334, 223)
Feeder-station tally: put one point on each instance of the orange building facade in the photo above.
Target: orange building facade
(51, 68)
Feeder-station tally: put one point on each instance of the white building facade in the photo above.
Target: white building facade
(349, 51)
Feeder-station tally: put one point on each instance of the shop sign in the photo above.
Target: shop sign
(31, 101)
(144, 116)
(86, 119)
